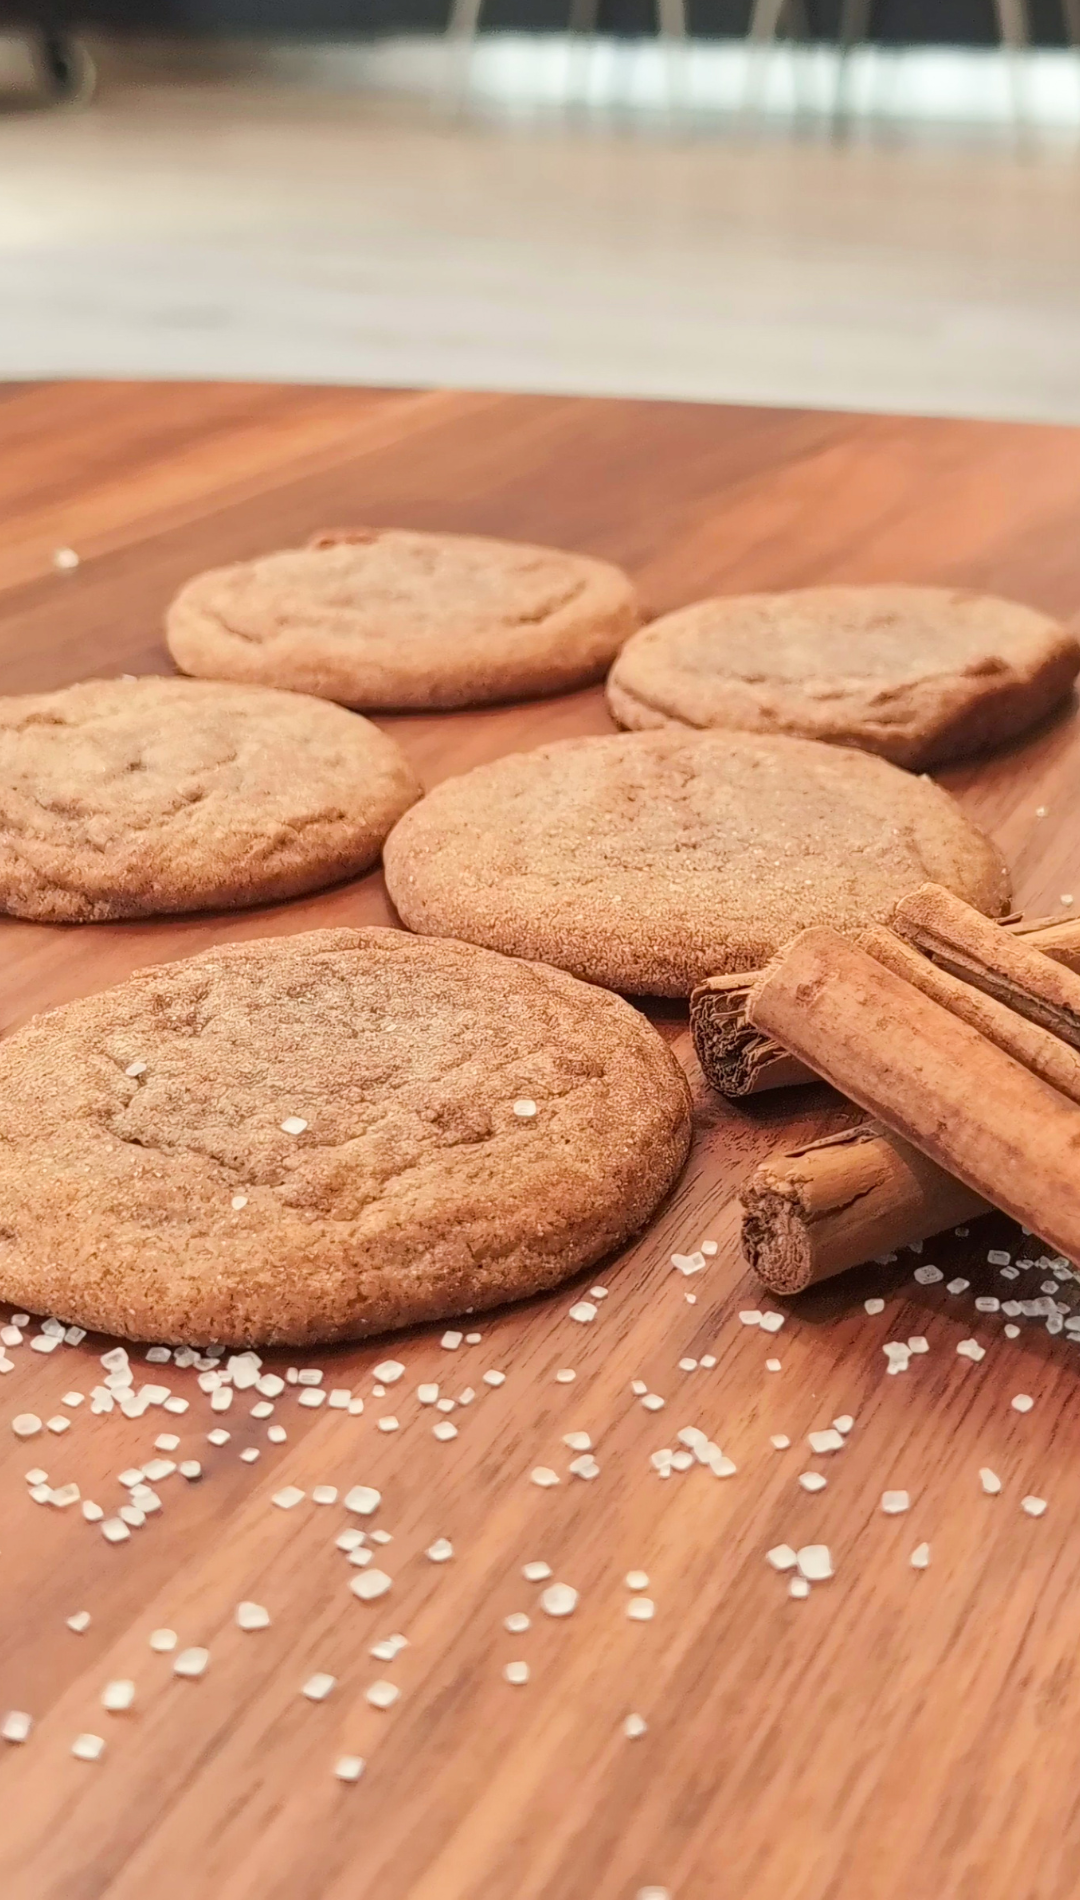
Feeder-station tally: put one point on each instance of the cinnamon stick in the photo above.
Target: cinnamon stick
(817, 1210)
(933, 1080)
(967, 945)
(739, 1060)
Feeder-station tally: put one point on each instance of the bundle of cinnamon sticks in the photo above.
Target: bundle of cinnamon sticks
(960, 1037)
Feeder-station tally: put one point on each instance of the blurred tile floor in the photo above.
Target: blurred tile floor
(275, 232)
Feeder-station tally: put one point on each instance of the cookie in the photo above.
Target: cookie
(323, 1136)
(651, 860)
(129, 797)
(386, 619)
(918, 674)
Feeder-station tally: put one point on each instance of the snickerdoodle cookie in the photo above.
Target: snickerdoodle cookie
(384, 618)
(919, 674)
(317, 1137)
(650, 860)
(123, 798)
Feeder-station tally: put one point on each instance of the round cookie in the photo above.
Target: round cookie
(387, 619)
(918, 674)
(131, 797)
(322, 1136)
(651, 860)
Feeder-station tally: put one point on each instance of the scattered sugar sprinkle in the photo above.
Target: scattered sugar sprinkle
(641, 1609)
(517, 1622)
(771, 1365)
(559, 1599)
(781, 1557)
(524, 1109)
(163, 1641)
(191, 1662)
(88, 1747)
(812, 1481)
(920, 1557)
(117, 1696)
(451, 1341)
(440, 1551)
(636, 1580)
(780, 1441)
(1033, 1506)
(815, 1562)
(516, 1672)
(633, 1726)
(873, 1306)
(543, 1476)
(893, 1502)
(1023, 1402)
(79, 1622)
(382, 1695)
(293, 1125)
(990, 1481)
(252, 1616)
(16, 1725)
(536, 1572)
(583, 1311)
(319, 1686)
(289, 1498)
(798, 1587)
(349, 1767)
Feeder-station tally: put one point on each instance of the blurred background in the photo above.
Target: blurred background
(833, 203)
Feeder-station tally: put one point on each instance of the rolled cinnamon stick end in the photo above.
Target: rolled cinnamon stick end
(738, 1060)
(1015, 971)
(932, 1079)
(816, 1211)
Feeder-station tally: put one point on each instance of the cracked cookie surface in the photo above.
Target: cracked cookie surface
(131, 797)
(919, 675)
(651, 860)
(388, 619)
(315, 1137)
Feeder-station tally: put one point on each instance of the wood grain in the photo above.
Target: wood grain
(899, 1734)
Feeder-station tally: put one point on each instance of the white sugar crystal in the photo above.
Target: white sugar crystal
(990, 1481)
(370, 1585)
(310, 1397)
(163, 1641)
(10, 1336)
(577, 1441)
(382, 1695)
(652, 1402)
(446, 1405)
(427, 1394)
(812, 1481)
(276, 1434)
(190, 1469)
(444, 1430)
(958, 1286)
(65, 1495)
(494, 1377)
(633, 1726)
(830, 1440)
(640, 1609)
(133, 1515)
(688, 1263)
(221, 1400)
(781, 1557)
(117, 1696)
(270, 1385)
(583, 1311)
(176, 1404)
(239, 1201)
(263, 1409)
(293, 1125)
(166, 1441)
(682, 1461)
(92, 1512)
(873, 1306)
(928, 1276)
(780, 1441)
(543, 1476)
(998, 1258)
(389, 1371)
(751, 1317)
(324, 1494)
(290, 1497)
(114, 1530)
(252, 1616)
(319, 1686)
(708, 1360)
(1012, 1332)
(349, 1767)
(191, 1662)
(339, 1398)
(688, 1365)
(771, 1322)
(815, 1562)
(536, 1572)
(1023, 1402)
(45, 1342)
(565, 1376)
(388, 1647)
(517, 1622)
(798, 1587)
(26, 1425)
(363, 1499)
(920, 1557)
(524, 1109)
(387, 1424)
(971, 1349)
(451, 1341)
(771, 1365)
(893, 1502)
(1033, 1506)
(88, 1747)
(158, 1468)
(585, 1466)
(636, 1580)
(986, 1303)
(516, 1672)
(16, 1725)
(37, 1476)
(897, 1351)
(844, 1423)
(473, 1339)
(440, 1550)
(79, 1622)
(559, 1599)
(58, 1424)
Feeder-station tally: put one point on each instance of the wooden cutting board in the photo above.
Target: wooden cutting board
(899, 1734)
